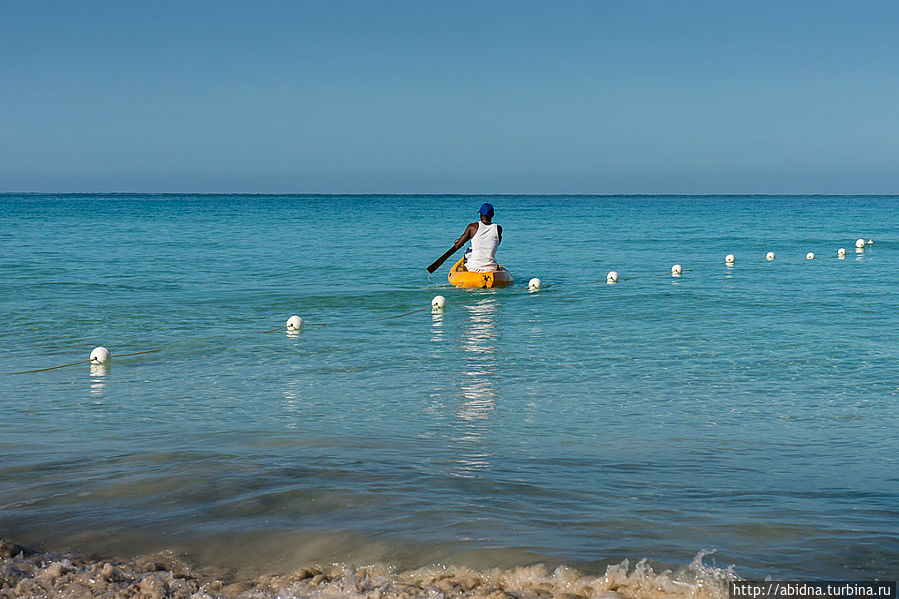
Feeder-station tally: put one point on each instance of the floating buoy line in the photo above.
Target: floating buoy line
(295, 323)
(406, 313)
(101, 356)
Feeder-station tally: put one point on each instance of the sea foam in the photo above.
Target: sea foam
(25, 573)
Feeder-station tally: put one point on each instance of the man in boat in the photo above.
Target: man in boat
(485, 236)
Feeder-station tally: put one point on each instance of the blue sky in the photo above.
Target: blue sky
(450, 97)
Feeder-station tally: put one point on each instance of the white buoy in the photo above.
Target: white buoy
(535, 283)
(810, 256)
(612, 277)
(676, 270)
(100, 355)
(870, 242)
(769, 256)
(729, 259)
(438, 303)
(860, 243)
(294, 323)
(841, 252)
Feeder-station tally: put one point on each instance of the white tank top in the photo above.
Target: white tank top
(483, 249)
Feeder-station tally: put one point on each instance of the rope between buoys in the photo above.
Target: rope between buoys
(51, 368)
(139, 353)
(305, 324)
(324, 324)
(606, 280)
(403, 314)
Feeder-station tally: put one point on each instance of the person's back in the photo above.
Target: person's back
(484, 242)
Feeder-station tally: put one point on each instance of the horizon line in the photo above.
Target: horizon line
(445, 194)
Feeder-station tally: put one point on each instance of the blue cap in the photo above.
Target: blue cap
(486, 209)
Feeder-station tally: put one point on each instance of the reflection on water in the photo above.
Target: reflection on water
(99, 372)
(436, 325)
(479, 388)
(292, 407)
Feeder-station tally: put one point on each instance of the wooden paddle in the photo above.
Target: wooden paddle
(436, 264)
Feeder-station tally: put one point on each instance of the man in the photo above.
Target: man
(485, 237)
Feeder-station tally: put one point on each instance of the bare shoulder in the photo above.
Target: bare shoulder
(467, 234)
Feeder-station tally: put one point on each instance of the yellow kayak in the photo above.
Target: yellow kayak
(460, 277)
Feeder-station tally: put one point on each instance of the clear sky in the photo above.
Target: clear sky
(424, 96)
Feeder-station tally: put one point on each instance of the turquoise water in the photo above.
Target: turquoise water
(749, 409)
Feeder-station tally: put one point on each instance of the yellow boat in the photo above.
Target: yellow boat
(460, 277)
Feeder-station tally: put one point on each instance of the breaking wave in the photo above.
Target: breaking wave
(25, 573)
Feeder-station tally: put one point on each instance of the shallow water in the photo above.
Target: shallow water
(748, 409)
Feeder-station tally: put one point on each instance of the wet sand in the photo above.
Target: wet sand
(25, 574)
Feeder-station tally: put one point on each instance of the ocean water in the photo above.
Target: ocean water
(747, 409)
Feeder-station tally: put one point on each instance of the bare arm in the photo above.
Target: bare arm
(469, 232)
(466, 236)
